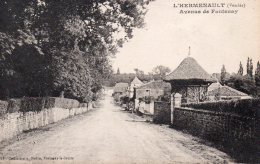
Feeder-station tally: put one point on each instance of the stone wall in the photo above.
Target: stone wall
(12, 124)
(231, 130)
(162, 112)
(145, 108)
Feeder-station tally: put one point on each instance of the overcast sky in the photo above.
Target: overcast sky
(214, 39)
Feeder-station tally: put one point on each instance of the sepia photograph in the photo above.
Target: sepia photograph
(129, 81)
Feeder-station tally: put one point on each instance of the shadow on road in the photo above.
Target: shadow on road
(136, 120)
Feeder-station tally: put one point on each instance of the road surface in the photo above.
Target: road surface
(110, 135)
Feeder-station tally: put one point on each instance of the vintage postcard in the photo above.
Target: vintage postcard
(129, 81)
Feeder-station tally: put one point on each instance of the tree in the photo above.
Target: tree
(161, 71)
(240, 70)
(79, 35)
(118, 71)
(223, 74)
(242, 83)
(138, 72)
(249, 66)
(257, 74)
(257, 78)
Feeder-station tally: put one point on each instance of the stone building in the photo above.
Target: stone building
(226, 93)
(153, 89)
(120, 89)
(190, 80)
(134, 84)
(146, 94)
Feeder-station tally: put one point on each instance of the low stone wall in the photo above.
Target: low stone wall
(145, 108)
(12, 124)
(231, 130)
(162, 112)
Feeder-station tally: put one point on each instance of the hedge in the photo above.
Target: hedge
(37, 104)
(245, 107)
(32, 104)
(62, 103)
(27, 104)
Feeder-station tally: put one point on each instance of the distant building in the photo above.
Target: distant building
(153, 89)
(190, 80)
(146, 94)
(120, 89)
(134, 84)
(226, 93)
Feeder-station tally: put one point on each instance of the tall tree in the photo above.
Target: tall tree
(257, 74)
(138, 72)
(223, 74)
(118, 71)
(240, 70)
(248, 66)
(251, 68)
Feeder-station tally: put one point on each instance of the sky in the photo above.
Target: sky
(215, 39)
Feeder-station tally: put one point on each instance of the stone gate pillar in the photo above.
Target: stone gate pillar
(175, 102)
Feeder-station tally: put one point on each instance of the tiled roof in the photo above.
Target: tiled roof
(120, 87)
(226, 91)
(214, 86)
(136, 81)
(189, 69)
(159, 84)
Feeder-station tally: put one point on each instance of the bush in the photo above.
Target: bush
(246, 107)
(146, 99)
(14, 105)
(82, 105)
(3, 107)
(166, 97)
(124, 99)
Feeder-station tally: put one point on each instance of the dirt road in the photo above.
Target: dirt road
(110, 135)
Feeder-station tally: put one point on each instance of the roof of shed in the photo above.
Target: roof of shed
(189, 69)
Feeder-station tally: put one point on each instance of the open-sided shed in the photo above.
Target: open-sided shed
(190, 80)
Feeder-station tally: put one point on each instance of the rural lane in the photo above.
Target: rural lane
(109, 134)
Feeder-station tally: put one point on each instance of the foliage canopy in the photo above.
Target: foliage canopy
(51, 46)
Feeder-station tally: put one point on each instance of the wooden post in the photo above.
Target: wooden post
(172, 108)
(62, 94)
(175, 102)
